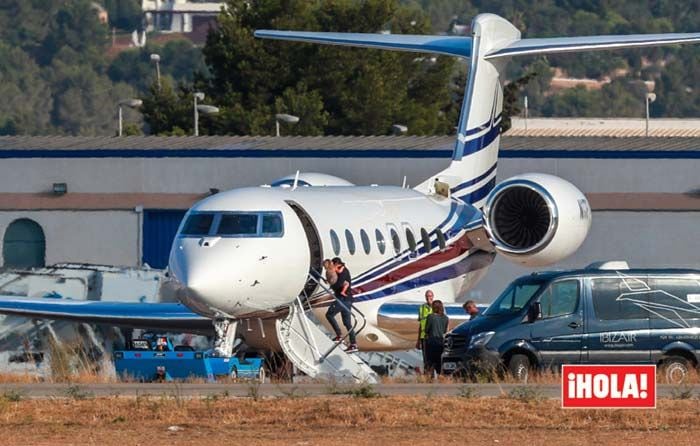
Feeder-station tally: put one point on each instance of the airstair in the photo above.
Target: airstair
(313, 352)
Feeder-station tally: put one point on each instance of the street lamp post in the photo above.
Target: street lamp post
(649, 98)
(156, 59)
(201, 108)
(399, 129)
(198, 95)
(131, 103)
(289, 119)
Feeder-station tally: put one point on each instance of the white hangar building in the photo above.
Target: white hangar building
(118, 201)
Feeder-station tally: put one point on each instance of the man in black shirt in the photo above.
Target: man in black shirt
(343, 304)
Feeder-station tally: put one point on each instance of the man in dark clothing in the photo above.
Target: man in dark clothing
(343, 304)
(471, 309)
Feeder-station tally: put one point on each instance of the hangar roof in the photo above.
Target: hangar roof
(348, 146)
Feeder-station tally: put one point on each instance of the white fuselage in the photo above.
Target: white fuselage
(396, 242)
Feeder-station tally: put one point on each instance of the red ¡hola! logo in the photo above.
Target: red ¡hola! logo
(608, 386)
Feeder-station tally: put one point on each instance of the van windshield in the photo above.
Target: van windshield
(513, 299)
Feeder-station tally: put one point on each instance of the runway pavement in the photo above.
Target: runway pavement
(182, 390)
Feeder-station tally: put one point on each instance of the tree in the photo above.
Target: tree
(168, 111)
(124, 14)
(179, 59)
(26, 104)
(339, 90)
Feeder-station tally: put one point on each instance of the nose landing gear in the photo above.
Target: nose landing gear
(225, 340)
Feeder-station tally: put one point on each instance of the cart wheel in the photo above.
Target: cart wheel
(261, 375)
(234, 373)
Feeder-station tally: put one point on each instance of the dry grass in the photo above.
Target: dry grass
(338, 420)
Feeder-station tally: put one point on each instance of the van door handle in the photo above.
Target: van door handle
(574, 325)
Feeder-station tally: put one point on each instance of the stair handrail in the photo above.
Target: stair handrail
(315, 277)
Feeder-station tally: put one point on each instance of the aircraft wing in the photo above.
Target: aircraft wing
(158, 316)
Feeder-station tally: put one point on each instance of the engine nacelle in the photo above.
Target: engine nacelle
(537, 219)
(310, 179)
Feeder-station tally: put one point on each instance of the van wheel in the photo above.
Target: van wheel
(675, 369)
(519, 367)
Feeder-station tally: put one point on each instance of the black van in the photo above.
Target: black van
(594, 316)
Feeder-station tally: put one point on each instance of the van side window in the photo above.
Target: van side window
(350, 240)
(381, 243)
(411, 240)
(335, 241)
(365, 241)
(674, 298)
(560, 299)
(426, 239)
(395, 240)
(609, 302)
(441, 239)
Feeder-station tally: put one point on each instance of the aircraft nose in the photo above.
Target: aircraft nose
(200, 278)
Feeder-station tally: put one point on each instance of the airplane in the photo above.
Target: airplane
(246, 258)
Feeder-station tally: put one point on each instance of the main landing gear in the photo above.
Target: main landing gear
(225, 332)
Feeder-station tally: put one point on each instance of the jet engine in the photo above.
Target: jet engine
(537, 219)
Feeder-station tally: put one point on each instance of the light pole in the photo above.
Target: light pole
(131, 103)
(201, 108)
(399, 129)
(156, 59)
(649, 98)
(526, 111)
(289, 119)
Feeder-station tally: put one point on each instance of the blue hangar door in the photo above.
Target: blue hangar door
(159, 229)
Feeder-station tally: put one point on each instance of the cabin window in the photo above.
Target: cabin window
(411, 240)
(335, 241)
(350, 240)
(395, 240)
(198, 224)
(381, 243)
(441, 239)
(238, 224)
(365, 241)
(426, 239)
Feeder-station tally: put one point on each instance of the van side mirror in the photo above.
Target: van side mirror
(534, 312)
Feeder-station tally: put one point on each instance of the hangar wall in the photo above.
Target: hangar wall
(110, 213)
(100, 237)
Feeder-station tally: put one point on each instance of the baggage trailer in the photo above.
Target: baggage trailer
(158, 360)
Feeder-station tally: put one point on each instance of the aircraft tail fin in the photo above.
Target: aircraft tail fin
(472, 173)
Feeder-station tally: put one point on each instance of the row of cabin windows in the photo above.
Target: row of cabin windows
(381, 241)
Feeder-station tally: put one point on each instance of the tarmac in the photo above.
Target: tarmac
(253, 389)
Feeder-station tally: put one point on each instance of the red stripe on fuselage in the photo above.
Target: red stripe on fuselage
(462, 245)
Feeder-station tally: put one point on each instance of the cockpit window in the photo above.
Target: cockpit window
(272, 224)
(234, 224)
(238, 224)
(198, 224)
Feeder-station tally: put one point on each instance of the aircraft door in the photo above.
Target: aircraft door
(314, 241)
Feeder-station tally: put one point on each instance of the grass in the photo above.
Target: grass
(395, 420)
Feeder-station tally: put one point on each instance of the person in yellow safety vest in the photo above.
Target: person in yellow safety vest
(424, 311)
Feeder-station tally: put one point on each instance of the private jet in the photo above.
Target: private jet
(247, 262)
